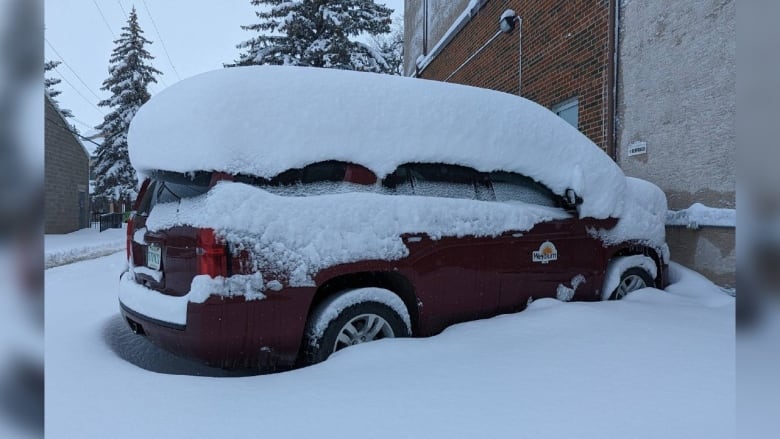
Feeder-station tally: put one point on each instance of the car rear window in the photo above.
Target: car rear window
(167, 187)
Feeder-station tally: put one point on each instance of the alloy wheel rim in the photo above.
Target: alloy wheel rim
(630, 283)
(362, 329)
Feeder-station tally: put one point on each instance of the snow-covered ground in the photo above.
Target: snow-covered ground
(657, 364)
(82, 244)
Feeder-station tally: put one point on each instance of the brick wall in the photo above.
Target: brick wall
(66, 174)
(565, 54)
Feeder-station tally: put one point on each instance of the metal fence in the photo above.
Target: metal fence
(111, 221)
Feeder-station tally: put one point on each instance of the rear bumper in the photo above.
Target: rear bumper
(227, 332)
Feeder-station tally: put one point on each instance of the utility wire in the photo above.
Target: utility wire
(165, 49)
(122, 7)
(104, 18)
(79, 93)
(84, 124)
(71, 69)
(70, 130)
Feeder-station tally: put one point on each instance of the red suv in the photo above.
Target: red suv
(244, 264)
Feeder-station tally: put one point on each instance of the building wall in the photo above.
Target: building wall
(66, 175)
(677, 94)
(441, 14)
(674, 90)
(565, 54)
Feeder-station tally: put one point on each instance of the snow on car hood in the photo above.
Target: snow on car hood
(263, 120)
(295, 237)
(643, 219)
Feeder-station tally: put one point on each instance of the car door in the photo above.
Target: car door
(556, 258)
(450, 271)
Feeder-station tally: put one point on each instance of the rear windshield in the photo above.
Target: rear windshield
(167, 187)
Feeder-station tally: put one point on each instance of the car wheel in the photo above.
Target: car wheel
(631, 280)
(362, 322)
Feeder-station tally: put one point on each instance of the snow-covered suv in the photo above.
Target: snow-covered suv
(288, 213)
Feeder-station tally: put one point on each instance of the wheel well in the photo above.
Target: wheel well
(645, 251)
(394, 282)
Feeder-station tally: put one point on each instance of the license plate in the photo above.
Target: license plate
(153, 257)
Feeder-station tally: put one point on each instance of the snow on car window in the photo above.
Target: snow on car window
(444, 189)
(513, 187)
(318, 188)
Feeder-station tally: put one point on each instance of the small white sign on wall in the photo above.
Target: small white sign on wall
(637, 148)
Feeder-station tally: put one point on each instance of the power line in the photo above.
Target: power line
(71, 69)
(104, 18)
(68, 129)
(79, 93)
(165, 49)
(122, 7)
(84, 124)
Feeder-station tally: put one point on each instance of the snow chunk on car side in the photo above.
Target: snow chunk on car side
(263, 120)
(346, 227)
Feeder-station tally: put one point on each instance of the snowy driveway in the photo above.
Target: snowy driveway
(657, 364)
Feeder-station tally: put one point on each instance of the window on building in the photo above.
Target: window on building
(568, 110)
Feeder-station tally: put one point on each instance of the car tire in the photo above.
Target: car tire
(359, 323)
(631, 280)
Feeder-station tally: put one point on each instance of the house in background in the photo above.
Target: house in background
(66, 171)
(652, 85)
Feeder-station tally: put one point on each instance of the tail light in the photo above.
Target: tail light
(212, 254)
(129, 243)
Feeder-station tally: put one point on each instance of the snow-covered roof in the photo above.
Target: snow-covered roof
(264, 120)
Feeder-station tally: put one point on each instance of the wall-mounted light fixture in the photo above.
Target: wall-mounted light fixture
(507, 21)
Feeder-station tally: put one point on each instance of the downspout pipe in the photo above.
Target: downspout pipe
(612, 78)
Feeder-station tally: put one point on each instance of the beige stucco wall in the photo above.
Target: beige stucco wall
(677, 93)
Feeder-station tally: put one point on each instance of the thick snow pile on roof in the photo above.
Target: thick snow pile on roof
(699, 215)
(346, 228)
(264, 120)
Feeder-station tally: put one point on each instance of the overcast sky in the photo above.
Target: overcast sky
(199, 36)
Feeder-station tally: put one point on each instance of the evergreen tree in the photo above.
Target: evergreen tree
(391, 46)
(49, 83)
(129, 76)
(316, 33)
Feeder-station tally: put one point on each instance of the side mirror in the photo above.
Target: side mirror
(571, 198)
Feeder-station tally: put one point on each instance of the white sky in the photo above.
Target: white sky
(199, 36)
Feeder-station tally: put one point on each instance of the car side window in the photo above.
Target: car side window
(330, 171)
(434, 180)
(328, 177)
(508, 186)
